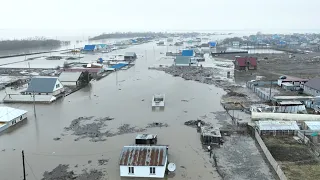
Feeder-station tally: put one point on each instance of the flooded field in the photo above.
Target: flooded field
(122, 103)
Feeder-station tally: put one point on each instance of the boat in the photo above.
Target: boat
(158, 100)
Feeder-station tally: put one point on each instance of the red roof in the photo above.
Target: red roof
(242, 61)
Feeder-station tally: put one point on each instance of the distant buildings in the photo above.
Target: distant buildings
(70, 78)
(130, 56)
(245, 63)
(89, 48)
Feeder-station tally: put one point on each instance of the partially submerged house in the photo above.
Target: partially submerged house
(143, 161)
(130, 56)
(245, 63)
(70, 78)
(44, 86)
(11, 116)
(277, 128)
(312, 87)
(188, 52)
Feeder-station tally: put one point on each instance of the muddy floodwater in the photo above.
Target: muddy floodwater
(126, 97)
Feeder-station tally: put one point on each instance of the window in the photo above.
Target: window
(58, 85)
(152, 170)
(131, 170)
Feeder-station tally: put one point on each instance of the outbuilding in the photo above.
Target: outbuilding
(130, 56)
(277, 128)
(10, 116)
(143, 161)
(70, 78)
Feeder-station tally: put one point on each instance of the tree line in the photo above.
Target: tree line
(28, 43)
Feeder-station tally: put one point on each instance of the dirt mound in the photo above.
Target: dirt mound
(157, 124)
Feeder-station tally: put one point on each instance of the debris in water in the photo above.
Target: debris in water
(56, 139)
(103, 162)
(194, 123)
(61, 173)
(125, 129)
(89, 162)
(157, 124)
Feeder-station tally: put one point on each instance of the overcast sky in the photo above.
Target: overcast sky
(158, 15)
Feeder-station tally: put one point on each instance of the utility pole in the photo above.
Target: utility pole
(34, 105)
(24, 169)
(270, 90)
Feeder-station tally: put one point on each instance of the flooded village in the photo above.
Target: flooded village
(169, 106)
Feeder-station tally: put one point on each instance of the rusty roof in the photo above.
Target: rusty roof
(143, 156)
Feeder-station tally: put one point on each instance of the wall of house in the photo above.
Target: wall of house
(69, 83)
(310, 91)
(58, 88)
(13, 122)
(142, 171)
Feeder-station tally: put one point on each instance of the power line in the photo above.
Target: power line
(31, 170)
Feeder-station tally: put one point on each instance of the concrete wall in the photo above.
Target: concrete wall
(142, 171)
(270, 158)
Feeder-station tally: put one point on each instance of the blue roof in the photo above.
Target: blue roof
(187, 53)
(89, 47)
(42, 84)
(119, 66)
(212, 44)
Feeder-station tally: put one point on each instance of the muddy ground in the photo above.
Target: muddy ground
(240, 159)
(296, 160)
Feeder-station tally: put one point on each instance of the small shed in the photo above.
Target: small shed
(10, 116)
(277, 128)
(70, 78)
(210, 135)
(212, 44)
(130, 56)
(143, 161)
(313, 130)
(146, 139)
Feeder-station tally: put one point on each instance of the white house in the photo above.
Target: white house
(44, 86)
(143, 161)
(10, 116)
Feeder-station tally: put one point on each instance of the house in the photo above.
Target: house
(143, 161)
(11, 116)
(210, 135)
(244, 63)
(44, 86)
(182, 61)
(130, 56)
(89, 48)
(235, 43)
(274, 128)
(70, 78)
(188, 52)
(312, 87)
(212, 44)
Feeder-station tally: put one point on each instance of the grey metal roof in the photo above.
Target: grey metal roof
(42, 84)
(69, 76)
(182, 60)
(313, 83)
(143, 156)
(277, 125)
(132, 54)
